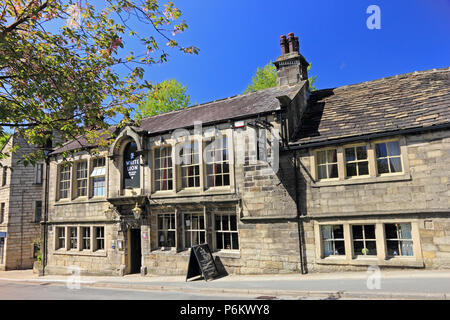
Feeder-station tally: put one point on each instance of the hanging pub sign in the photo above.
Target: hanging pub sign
(201, 262)
(131, 167)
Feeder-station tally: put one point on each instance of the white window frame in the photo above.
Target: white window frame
(168, 169)
(222, 231)
(356, 161)
(188, 231)
(400, 156)
(166, 228)
(211, 147)
(190, 164)
(65, 166)
(326, 164)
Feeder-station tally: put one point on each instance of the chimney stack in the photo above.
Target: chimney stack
(291, 65)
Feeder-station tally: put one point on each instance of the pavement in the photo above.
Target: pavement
(398, 285)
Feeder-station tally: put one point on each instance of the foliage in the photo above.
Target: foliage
(64, 68)
(266, 77)
(166, 96)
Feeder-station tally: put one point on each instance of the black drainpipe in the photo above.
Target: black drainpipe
(299, 227)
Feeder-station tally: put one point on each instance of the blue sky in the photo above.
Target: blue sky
(236, 37)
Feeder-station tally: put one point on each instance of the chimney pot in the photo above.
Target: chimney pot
(291, 42)
(296, 45)
(283, 44)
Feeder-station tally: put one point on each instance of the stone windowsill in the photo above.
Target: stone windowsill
(99, 253)
(392, 262)
(366, 180)
(234, 254)
(80, 201)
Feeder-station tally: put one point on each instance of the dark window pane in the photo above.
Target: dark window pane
(369, 231)
(349, 154)
(392, 248)
(371, 248)
(226, 180)
(391, 231)
(363, 168)
(361, 153)
(233, 223)
(235, 241)
(226, 168)
(382, 166)
(358, 247)
(351, 169)
(226, 240)
(219, 240)
(396, 164)
(225, 225)
(217, 222)
(380, 150)
(187, 238)
(339, 248)
(357, 232)
(219, 181)
(171, 238)
(338, 232)
(333, 171)
(394, 148)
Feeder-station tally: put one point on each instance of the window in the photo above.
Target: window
(98, 177)
(195, 233)
(85, 238)
(190, 168)
(166, 230)
(217, 163)
(364, 242)
(64, 181)
(73, 238)
(2, 212)
(39, 173)
(61, 238)
(37, 211)
(398, 239)
(4, 176)
(388, 157)
(82, 179)
(225, 227)
(356, 161)
(333, 240)
(327, 167)
(100, 238)
(163, 168)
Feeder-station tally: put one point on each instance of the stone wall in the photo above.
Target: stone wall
(19, 195)
(421, 195)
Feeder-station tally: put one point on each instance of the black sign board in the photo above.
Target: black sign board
(201, 262)
(131, 167)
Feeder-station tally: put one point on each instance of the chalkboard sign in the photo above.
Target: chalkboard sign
(201, 262)
(131, 167)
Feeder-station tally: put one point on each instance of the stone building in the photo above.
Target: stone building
(21, 206)
(281, 180)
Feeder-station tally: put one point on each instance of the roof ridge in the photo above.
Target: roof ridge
(390, 77)
(214, 101)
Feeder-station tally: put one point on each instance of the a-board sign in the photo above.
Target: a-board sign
(201, 262)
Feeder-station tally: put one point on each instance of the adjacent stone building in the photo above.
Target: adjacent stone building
(282, 180)
(21, 206)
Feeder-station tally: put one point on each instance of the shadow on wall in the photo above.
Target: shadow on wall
(291, 177)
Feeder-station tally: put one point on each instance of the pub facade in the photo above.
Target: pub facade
(282, 180)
